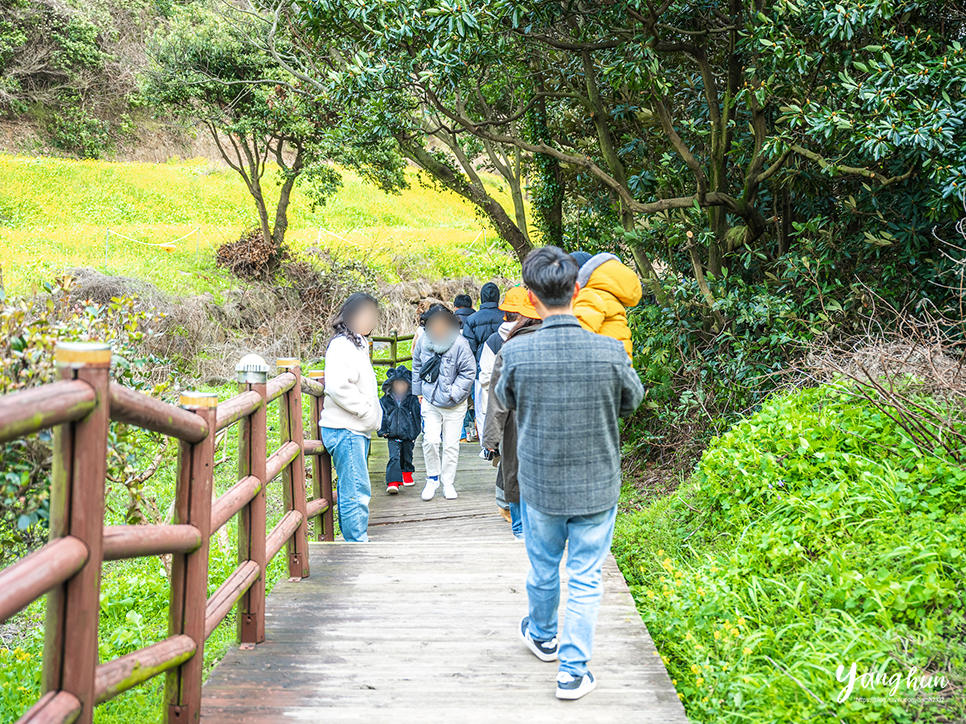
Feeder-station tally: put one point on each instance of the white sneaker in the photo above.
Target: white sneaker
(449, 492)
(430, 490)
(570, 687)
(483, 455)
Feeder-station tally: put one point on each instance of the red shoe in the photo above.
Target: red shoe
(408, 479)
(393, 488)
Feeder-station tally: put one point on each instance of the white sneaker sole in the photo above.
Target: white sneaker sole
(578, 693)
(450, 494)
(429, 493)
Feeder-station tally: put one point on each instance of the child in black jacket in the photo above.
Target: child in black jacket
(401, 424)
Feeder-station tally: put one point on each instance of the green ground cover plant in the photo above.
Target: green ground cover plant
(813, 533)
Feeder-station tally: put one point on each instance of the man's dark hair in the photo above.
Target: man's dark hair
(551, 273)
(463, 301)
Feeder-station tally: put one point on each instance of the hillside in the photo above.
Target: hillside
(55, 214)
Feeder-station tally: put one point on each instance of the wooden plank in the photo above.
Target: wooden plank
(32, 576)
(24, 413)
(420, 626)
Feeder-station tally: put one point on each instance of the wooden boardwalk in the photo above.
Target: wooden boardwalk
(419, 627)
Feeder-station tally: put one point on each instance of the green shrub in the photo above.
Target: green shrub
(814, 533)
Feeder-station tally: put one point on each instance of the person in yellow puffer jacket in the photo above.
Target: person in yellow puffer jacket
(607, 289)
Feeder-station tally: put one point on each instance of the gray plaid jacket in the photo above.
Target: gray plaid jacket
(568, 387)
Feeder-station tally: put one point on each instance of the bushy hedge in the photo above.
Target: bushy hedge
(813, 534)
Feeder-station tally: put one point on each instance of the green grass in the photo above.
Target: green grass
(812, 534)
(55, 214)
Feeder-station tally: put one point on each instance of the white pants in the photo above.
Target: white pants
(443, 426)
(479, 408)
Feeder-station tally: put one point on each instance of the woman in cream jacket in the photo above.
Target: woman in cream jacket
(351, 411)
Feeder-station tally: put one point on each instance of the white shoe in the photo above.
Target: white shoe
(483, 454)
(449, 492)
(571, 688)
(430, 490)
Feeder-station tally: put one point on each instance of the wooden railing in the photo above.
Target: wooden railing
(393, 339)
(80, 408)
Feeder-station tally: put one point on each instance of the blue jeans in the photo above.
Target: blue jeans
(589, 538)
(349, 451)
(516, 519)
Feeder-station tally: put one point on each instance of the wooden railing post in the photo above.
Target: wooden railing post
(252, 439)
(393, 345)
(321, 469)
(77, 509)
(293, 477)
(189, 571)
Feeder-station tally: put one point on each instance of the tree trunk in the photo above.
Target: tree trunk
(473, 193)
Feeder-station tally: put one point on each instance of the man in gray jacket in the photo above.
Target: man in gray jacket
(568, 387)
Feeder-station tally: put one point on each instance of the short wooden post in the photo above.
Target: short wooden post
(252, 374)
(393, 345)
(293, 476)
(77, 509)
(189, 572)
(321, 468)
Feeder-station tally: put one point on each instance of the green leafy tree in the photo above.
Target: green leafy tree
(205, 71)
(330, 61)
(718, 118)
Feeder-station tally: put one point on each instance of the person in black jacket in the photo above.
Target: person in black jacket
(401, 425)
(478, 327)
(464, 307)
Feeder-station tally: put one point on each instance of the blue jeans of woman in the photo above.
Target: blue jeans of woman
(349, 451)
(587, 539)
(516, 519)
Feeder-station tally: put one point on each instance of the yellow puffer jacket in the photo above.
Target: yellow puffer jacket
(607, 288)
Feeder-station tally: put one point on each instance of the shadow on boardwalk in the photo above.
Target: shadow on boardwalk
(420, 626)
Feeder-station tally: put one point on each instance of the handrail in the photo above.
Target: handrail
(233, 500)
(135, 541)
(54, 707)
(239, 406)
(80, 409)
(32, 576)
(282, 532)
(311, 387)
(228, 594)
(135, 668)
(281, 458)
(24, 413)
(279, 386)
(313, 447)
(150, 413)
(316, 507)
